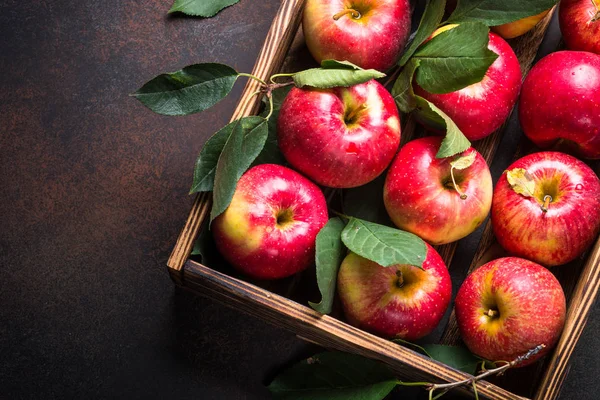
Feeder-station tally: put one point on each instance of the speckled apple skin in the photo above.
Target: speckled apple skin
(373, 41)
(315, 140)
(531, 306)
(572, 221)
(481, 108)
(578, 30)
(372, 301)
(560, 101)
(417, 200)
(247, 233)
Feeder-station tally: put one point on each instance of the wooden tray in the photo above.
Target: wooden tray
(272, 301)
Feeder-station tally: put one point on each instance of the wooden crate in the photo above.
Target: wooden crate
(271, 301)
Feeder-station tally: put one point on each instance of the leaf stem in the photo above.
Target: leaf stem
(252, 77)
(343, 216)
(402, 383)
(463, 196)
(270, 97)
(273, 77)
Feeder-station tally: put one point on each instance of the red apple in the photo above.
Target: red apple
(520, 27)
(369, 33)
(560, 103)
(508, 307)
(580, 24)
(481, 108)
(400, 301)
(340, 137)
(420, 196)
(269, 229)
(559, 220)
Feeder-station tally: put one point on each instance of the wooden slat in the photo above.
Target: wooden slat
(269, 61)
(581, 302)
(323, 329)
(332, 333)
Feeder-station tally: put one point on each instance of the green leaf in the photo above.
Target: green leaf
(334, 376)
(495, 12)
(189, 90)
(271, 154)
(457, 357)
(402, 91)
(206, 164)
(335, 74)
(334, 64)
(432, 16)
(243, 146)
(366, 202)
(455, 59)
(455, 141)
(384, 245)
(328, 256)
(201, 8)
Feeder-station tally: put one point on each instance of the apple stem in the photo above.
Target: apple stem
(596, 4)
(463, 196)
(547, 200)
(492, 313)
(355, 14)
(400, 281)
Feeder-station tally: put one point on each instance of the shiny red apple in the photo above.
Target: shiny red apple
(580, 24)
(508, 307)
(340, 137)
(369, 33)
(481, 108)
(557, 217)
(400, 301)
(421, 198)
(560, 103)
(269, 229)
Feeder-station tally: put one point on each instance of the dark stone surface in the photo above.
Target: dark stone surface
(94, 193)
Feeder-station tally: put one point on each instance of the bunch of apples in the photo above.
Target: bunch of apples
(545, 207)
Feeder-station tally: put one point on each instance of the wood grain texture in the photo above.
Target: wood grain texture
(325, 330)
(269, 61)
(580, 304)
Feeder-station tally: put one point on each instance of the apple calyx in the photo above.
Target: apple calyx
(547, 201)
(400, 281)
(492, 313)
(353, 13)
(351, 117)
(284, 217)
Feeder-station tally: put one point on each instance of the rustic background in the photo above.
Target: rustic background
(94, 193)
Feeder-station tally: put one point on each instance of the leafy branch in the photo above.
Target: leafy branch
(445, 387)
(339, 376)
(233, 149)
